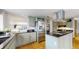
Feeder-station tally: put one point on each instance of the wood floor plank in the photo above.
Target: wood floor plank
(76, 42)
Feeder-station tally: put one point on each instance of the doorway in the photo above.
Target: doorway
(40, 29)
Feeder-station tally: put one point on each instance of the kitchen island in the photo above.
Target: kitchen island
(59, 40)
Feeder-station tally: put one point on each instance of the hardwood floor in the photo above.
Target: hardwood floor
(76, 42)
(34, 45)
(41, 45)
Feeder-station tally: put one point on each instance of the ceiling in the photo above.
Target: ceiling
(43, 12)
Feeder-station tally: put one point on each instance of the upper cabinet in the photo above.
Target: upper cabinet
(32, 21)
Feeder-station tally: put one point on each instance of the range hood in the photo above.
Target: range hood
(59, 16)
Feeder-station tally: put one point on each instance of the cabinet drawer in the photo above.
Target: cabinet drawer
(26, 41)
(33, 37)
(21, 40)
(24, 35)
(25, 38)
(33, 34)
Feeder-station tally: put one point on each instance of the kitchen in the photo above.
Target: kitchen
(38, 29)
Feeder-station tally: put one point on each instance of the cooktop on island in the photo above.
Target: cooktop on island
(60, 33)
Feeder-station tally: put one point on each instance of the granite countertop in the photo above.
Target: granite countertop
(59, 34)
(4, 41)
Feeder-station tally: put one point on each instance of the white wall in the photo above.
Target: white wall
(13, 19)
(1, 22)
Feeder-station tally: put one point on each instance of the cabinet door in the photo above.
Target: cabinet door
(26, 38)
(32, 21)
(68, 41)
(11, 44)
(33, 36)
(19, 40)
(61, 42)
(25, 41)
(51, 42)
(65, 41)
(24, 35)
(22, 39)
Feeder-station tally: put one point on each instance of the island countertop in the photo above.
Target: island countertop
(59, 34)
(59, 40)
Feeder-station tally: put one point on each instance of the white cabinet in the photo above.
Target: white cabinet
(3, 21)
(51, 42)
(25, 38)
(11, 44)
(66, 41)
(33, 37)
(19, 40)
(32, 21)
(63, 42)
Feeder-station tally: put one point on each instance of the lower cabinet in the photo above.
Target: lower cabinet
(62, 42)
(11, 44)
(32, 37)
(21, 39)
(66, 41)
(25, 38)
(51, 42)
